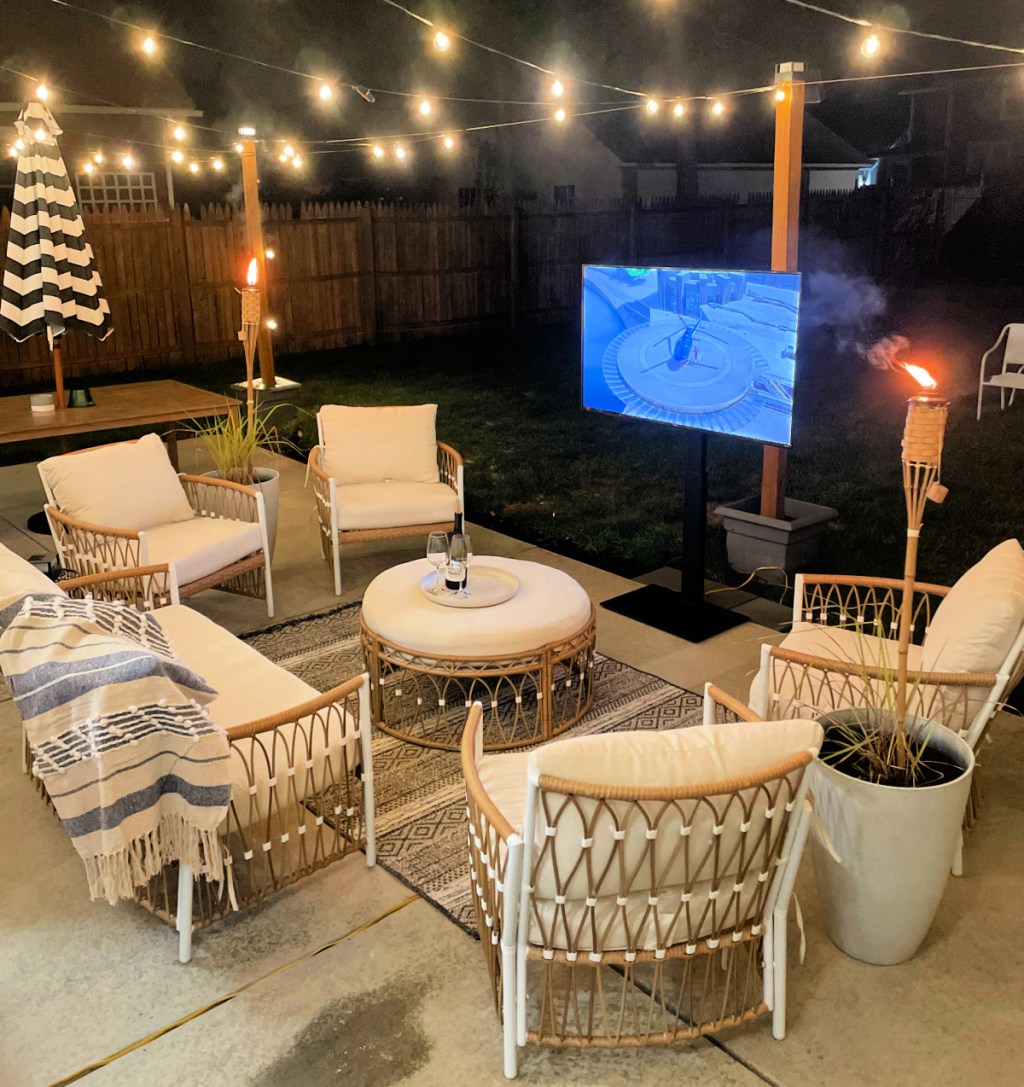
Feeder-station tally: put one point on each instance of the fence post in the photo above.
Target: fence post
(181, 283)
(372, 324)
(634, 233)
(513, 267)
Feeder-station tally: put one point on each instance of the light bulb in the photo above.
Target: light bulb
(282, 158)
(426, 109)
(39, 134)
(88, 168)
(780, 95)
(218, 164)
(871, 46)
(718, 107)
(297, 162)
(557, 89)
(400, 152)
(248, 131)
(560, 115)
(678, 110)
(12, 151)
(271, 323)
(193, 167)
(442, 43)
(652, 105)
(19, 143)
(378, 151)
(149, 45)
(178, 155)
(448, 143)
(269, 253)
(98, 158)
(179, 133)
(128, 162)
(325, 92)
(239, 148)
(288, 151)
(42, 92)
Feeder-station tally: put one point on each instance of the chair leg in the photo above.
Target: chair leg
(779, 951)
(958, 855)
(981, 389)
(336, 555)
(268, 582)
(183, 920)
(508, 1010)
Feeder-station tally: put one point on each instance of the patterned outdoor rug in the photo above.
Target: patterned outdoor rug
(421, 819)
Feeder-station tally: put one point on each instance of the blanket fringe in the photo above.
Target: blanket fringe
(116, 875)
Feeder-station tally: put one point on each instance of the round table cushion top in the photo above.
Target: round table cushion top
(549, 606)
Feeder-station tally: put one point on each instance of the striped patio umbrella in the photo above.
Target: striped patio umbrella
(50, 279)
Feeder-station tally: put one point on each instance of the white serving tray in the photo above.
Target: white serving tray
(487, 586)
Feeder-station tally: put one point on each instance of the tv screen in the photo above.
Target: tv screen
(713, 350)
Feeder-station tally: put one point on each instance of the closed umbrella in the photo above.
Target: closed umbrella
(50, 279)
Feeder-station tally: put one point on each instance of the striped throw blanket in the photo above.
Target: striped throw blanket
(120, 738)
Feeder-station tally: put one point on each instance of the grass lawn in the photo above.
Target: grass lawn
(608, 489)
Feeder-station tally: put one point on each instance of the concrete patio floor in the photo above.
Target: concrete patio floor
(402, 996)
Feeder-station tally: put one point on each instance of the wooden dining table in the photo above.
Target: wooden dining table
(141, 403)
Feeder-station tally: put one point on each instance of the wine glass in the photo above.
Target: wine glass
(437, 556)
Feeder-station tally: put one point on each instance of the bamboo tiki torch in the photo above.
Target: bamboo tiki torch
(249, 335)
(922, 461)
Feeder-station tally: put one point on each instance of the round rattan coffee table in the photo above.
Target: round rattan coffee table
(529, 660)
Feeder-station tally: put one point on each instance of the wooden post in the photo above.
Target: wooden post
(254, 238)
(789, 136)
(58, 377)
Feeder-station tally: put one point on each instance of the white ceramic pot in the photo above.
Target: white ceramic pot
(885, 854)
(269, 482)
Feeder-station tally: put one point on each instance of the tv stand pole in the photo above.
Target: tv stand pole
(686, 614)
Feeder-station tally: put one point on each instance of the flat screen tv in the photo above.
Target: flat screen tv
(711, 350)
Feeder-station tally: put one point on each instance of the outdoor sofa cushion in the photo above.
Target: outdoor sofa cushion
(645, 916)
(201, 546)
(130, 485)
(374, 445)
(393, 505)
(18, 578)
(980, 617)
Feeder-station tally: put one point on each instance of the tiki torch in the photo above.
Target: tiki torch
(922, 461)
(249, 333)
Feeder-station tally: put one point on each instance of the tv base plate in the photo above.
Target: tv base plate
(667, 610)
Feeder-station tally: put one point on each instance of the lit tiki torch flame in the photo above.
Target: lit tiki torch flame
(249, 333)
(923, 437)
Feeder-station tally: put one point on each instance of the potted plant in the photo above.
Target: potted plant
(890, 788)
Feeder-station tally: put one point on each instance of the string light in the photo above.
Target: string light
(297, 162)
(377, 151)
(128, 161)
(269, 253)
(560, 115)
(39, 134)
(448, 143)
(13, 152)
(326, 92)
(98, 158)
(178, 156)
(239, 148)
(679, 110)
(42, 92)
(218, 164)
(19, 143)
(149, 45)
(193, 167)
(557, 89)
(282, 158)
(179, 133)
(652, 105)
(871, 46)
(400, 152)
(442, 43)
(88, 168)
(288, 151)
(271, 324)
(247, 131)
(426, 107)
(780, 95)
(717, 107)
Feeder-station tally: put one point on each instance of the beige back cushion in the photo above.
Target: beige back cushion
(18, 578)
(130, 485)
(377, 445)
(976, 623)
(613, 874)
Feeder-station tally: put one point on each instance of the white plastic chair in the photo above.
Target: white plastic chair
(1011, 376)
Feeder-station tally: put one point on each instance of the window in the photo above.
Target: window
(565, 194)
(100, 192)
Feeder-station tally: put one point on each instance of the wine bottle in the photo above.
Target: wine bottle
(455, 574)
(457, 529)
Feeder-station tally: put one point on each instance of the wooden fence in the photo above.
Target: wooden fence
(361, 273)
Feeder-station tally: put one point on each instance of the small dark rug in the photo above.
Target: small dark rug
(421, 819)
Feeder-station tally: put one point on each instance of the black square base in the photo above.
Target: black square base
(665, 609)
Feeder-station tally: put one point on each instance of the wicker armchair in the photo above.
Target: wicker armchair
(216, 538)
(374, 501)
(301, 774)
(627, 915)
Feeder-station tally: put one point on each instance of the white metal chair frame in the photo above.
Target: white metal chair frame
(1011, 376)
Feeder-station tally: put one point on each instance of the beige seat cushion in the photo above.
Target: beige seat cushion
(980, 617)
(201, 546)
(392, 505)
(19, 578)
(549, 606)
(130, 485)
(250, 687)
(834, 643)
(623, 904)
(374, 445)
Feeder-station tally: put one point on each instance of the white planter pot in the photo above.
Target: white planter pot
(895, 847)
(269, 482)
